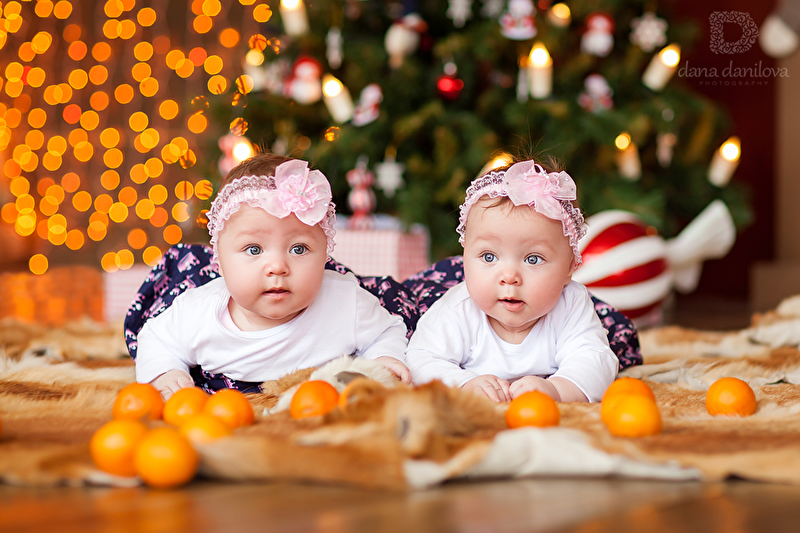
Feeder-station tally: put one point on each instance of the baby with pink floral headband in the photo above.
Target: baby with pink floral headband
(517, 322)
(276, 309)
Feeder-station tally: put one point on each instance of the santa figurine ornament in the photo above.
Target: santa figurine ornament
(368, 105)
(304, 85)
(402, 38)
(597, 94)
(518, 23)
(361, 199)
(598, 39)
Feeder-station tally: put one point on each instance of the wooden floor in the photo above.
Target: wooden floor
(530, 505)
(572, 505)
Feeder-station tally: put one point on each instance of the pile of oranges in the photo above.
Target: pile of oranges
(628, 407)
(163, 456)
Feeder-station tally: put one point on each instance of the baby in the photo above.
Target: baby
(275, 309)
(518, 322)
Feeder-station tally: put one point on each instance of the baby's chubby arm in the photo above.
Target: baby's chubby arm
(494, 388)
(559, 389)
(380, 335)
(171, 382)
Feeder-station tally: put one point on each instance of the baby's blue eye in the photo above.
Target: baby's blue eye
(534, 259)
(253, 249)
(489, 257)
(298, 249)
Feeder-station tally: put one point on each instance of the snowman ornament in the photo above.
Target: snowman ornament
(598, 39)
(304, 85)
(518, 23)
(368, 105)
(402, 38)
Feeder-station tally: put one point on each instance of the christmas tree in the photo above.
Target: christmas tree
(443, 87)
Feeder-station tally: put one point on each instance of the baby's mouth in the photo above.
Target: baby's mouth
(512, 304)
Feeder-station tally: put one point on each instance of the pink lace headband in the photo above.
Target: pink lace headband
(293, 189)
(527, 183)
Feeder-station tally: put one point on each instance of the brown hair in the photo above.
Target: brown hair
(262, 164)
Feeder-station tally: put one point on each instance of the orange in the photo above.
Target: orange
(112, 446)
(313, 398)
(165, 458)
(137, 401)
(634, 415)
(230, 406)
(730, 396)
(532, 408)
(619, 387)
(204, 427)
(183, 404)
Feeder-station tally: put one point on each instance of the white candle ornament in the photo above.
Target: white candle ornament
(662, 67)
(540, 72)
(630, 166)
(293, 15)
(337, 99)
(724, 162)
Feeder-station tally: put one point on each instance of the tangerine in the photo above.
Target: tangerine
(230, 406)
(619, 387)
(730, 396)
(184, 404)
(165, 458)
(532, 408)
(112, 447)
(634, 415)
(313, 398)
(204, 427)
(137, 401)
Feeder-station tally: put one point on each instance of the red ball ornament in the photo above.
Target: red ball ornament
(625, 263)
(449, 86)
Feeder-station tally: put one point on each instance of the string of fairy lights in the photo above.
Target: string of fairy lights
(96, 147)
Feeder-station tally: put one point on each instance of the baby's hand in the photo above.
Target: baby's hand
(171, 382)
(530, 383)
(492, 387)
(396, 367)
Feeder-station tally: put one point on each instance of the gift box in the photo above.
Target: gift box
(383, 252)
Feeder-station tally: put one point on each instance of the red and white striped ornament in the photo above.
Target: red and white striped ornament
(629, 266)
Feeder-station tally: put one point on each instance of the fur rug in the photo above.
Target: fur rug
(57, 388)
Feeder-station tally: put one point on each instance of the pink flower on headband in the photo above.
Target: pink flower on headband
(527, 183)
(298, 190)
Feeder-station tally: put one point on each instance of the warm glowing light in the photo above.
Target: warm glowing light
(128, 196)
(77, 136)
(51, 161)
(36, 77)
(112, 28)
(213, 65)
(184, 190)
(229, 37)
(118, 212)
(148, 87)
(98, 74)
(244, 84)
(561, 12)
(331, 86)
(70, 182)
(41, 42)
(82, 201)
(154, 167)
(173, 234)
(180, 212)
(197, 56)
(103, 203)
(62, 10)
(217, 84)
(109, 261)
(159, 217)
(99, 101)
(254, 58)
(242, 150)
(113, 8)
(146, 16)
(9, 213)
(34, 139)
(174, 57)
(109, 138)
(137, 239)
(138, 121)
(151, 256)
(671, 55)
(37, 118)
(261, 13)
(622, 141)
(125, 259)
(145, 208)
(202, 24)
(109, 180)
(124, 93)
(203, 189)
(38, 264)
(83, 151)
(75, 239)
(43, 8)
(539, 56)
(158, 194)
(90, 120)
(127, 29)
(197, 123)
(731, 149)
(141, 71)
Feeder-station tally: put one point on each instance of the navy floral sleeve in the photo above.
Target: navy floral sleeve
(431, 284)
(189, 265)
